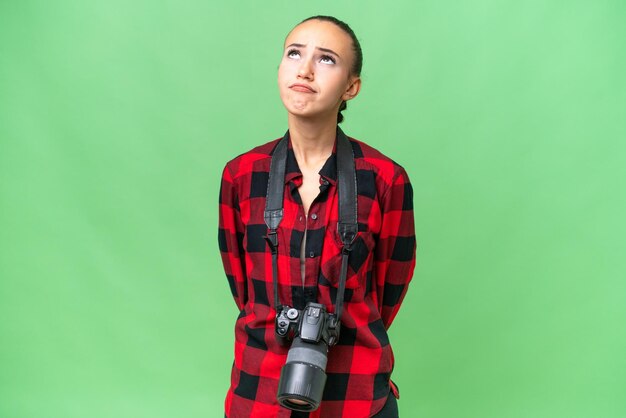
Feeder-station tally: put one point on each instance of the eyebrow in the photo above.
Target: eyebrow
(330, 51)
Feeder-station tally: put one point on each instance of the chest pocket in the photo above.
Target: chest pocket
(359, 261)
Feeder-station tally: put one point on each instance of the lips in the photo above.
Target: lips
(302, 88)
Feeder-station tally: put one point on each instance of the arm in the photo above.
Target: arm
(230, 237)
(394, 259)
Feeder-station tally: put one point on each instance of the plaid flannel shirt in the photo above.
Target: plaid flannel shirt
(381, 265)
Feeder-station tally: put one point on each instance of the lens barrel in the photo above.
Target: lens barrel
(303, 376)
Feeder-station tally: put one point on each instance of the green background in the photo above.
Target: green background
(116, 119)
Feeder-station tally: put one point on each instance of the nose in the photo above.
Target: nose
(306, 70)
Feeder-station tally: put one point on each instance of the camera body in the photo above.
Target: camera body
(313, 324)
(311, 332)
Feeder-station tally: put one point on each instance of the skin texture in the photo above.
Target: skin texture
(312, 83)
(304, 63)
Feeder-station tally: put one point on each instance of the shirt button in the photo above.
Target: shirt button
(300, 218)
(311, 254)
(314, 216)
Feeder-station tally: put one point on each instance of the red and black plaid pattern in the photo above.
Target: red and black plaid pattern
(380, 268)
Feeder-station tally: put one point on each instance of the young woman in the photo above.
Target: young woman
(319, 72)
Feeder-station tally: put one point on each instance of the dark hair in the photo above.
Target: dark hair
(356, 48)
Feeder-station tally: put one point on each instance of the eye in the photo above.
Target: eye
(327, 59)
(293, 53)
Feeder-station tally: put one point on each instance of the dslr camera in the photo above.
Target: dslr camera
(311, 332)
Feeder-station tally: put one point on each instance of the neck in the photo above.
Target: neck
(312, 140)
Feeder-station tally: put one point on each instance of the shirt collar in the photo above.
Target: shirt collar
(328, 171)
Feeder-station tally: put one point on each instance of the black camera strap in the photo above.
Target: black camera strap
(347, 227)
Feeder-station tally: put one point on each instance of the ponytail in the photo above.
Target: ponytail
(343, 106)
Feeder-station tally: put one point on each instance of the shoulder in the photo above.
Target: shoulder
(385, 169)
(246, 162)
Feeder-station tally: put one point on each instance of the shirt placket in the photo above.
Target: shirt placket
(317, 219)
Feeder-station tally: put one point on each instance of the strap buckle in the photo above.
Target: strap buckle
(347, 232)
(272, 240)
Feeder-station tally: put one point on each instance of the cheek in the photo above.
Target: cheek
(281, 73)
(283, 82)
(286, 69)
(334, 82)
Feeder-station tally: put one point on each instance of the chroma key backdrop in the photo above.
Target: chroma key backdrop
(117, 117)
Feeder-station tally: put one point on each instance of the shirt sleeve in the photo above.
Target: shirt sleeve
(230, 239)
(395, 250)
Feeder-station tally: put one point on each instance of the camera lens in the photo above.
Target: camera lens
(303, 376)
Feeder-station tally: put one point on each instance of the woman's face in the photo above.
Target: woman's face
(314, 74)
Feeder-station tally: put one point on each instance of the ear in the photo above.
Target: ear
(354, 87)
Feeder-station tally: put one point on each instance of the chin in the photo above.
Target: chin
(305, 110)
(298, 109)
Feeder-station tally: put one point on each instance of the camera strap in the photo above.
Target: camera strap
(347, 227)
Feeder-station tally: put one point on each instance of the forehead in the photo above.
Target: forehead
(318, 33)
